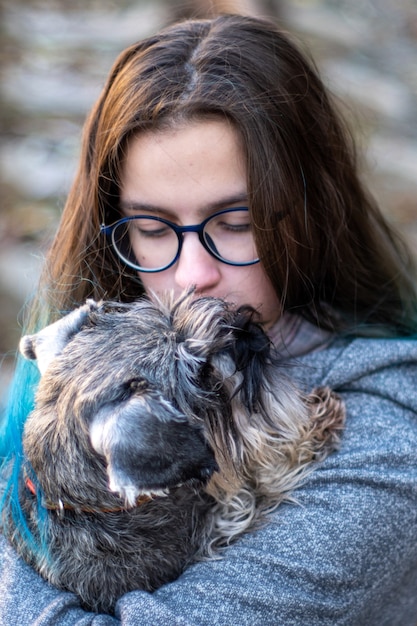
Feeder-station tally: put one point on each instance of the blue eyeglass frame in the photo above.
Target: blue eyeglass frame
(179, 231)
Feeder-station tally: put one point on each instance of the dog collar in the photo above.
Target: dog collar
(60, 507)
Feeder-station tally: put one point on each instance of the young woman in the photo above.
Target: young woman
(215, 158)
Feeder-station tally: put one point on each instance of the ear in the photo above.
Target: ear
(48, 343)
(251, 351)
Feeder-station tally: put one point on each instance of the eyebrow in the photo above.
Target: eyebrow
(138, 207)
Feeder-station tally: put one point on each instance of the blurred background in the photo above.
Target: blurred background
(56, 54)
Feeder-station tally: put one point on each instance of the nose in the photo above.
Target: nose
(196, 267)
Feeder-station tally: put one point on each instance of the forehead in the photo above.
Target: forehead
(196, 166)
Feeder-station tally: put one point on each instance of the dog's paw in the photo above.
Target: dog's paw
(327, 418)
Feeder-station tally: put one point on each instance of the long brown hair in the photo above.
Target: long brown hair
(332, 259)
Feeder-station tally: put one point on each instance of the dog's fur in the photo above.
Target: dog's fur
(182, 401)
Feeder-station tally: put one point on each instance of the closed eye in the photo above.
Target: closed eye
(149, 231)
(236, 228)
(138, 386)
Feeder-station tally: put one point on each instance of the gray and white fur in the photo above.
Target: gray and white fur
(162, 431)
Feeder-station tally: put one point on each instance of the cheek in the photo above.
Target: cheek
(251, 286)
(158, 282)
(263, 296)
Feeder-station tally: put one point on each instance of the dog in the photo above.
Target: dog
(163, 430)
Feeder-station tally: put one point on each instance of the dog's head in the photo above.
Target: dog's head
(159, 387)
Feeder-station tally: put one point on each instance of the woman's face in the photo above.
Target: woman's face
(185, 175)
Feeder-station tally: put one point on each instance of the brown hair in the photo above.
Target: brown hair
(333, 258)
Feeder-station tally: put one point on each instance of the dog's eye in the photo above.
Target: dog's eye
(139, 385)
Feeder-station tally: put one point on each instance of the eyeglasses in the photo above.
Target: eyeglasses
(152, 244)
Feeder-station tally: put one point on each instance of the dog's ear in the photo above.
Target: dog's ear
(250, 351)
(48, 343)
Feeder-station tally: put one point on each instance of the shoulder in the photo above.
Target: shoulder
(385, 368)
(377, 379)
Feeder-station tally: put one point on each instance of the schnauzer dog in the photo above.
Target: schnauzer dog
(162, 431)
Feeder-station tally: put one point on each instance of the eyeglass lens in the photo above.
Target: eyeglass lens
(151, 244)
